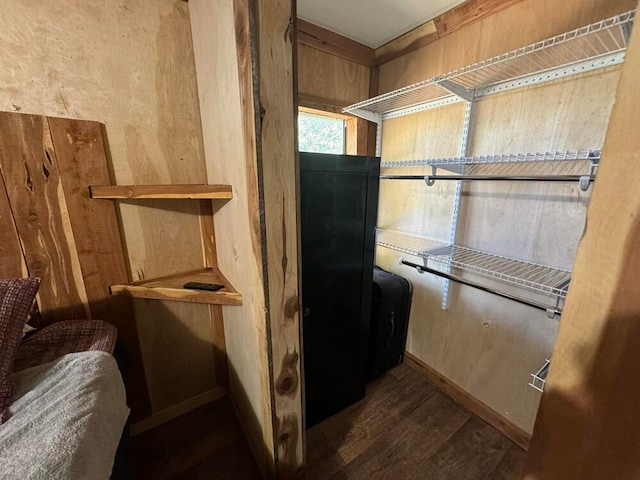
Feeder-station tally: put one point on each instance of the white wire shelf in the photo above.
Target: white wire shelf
(455, 162)
(539, 379)
(594, 46)
(406, 242)
(530, 276)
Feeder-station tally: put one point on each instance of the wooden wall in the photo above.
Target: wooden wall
(330, 79)
(484, 344)
(128, 64)
(333, 72)
(257, 237)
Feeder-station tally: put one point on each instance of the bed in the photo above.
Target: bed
(63, 402)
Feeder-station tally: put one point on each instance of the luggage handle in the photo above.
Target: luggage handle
(393, 327)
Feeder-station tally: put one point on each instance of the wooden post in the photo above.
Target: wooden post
(246, 82)
(279, 172)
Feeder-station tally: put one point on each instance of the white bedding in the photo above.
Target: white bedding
(65, 421)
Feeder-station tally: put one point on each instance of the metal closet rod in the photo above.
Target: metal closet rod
(499, 178)
(455, 278)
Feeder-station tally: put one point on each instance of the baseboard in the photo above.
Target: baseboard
(176, 410)
(475, 406)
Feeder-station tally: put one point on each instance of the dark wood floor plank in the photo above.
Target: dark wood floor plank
(416, 432)
(471, 453)
(511, 466)
(205, 443)
(226, 465)
(349, 434)
(401, 451)
(405, 429)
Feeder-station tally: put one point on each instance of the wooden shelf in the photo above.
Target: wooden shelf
(186, 191)
(170, 288)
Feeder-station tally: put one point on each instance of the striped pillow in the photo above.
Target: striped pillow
(16, 299)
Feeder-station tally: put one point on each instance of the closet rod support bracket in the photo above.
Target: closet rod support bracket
(586, 180)
(427, 178)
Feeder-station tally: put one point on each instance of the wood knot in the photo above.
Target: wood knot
(287, 383)
(288, 433)
(291, 307)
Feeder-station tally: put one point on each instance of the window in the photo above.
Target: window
(321, 133)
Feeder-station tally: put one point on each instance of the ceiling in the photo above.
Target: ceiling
(372, 22)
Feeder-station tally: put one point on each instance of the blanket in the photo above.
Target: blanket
(65, 421)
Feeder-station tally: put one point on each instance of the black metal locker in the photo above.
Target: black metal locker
(339, 202)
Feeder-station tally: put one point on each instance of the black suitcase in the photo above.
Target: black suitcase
(390, 307)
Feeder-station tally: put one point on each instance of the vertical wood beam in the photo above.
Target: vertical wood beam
(279, 175)
(357, 136)
(246, 82)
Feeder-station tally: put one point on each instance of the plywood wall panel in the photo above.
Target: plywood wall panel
(328, 76)
(128, 64)
(178, 350)
(435, 133)
(566, 115)
(485, 344)
(414, 67)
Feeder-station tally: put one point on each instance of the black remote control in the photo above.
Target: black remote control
(210, 287)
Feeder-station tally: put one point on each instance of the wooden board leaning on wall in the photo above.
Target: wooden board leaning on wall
(73, 244)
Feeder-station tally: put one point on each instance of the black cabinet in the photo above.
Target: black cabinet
(339, 203)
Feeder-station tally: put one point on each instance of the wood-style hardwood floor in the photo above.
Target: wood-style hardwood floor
(206, 443)
(405, 429)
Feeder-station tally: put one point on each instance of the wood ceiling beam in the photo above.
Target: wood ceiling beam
(469, 12)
